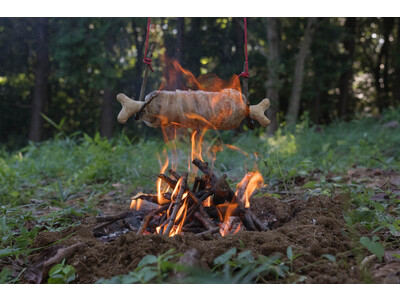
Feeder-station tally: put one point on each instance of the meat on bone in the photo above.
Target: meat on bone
(193, 109)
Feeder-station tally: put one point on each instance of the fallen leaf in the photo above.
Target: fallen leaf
(395, 181)
(380, 197)
(390, 256)
(389, 273)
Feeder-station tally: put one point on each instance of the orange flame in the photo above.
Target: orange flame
(136, 203)
(160, 198)
(251, 181)
(176, 77)
(237, 149)
(207, 202)
(226, 224)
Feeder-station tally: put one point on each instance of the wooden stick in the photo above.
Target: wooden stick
(260, 226)
(207, 223)
(174, 174)
(245, 92)
(214, 188)
(203, 166)
(145, 77)
(182, 189)
(149, 216)
(210, 231)
(248, 222)
(146, 73)
(101, 225)
(113, 218)
(171, 182)
(196, 184)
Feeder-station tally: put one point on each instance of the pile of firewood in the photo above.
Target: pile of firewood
(197, 219)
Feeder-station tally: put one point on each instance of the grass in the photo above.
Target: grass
(58, 171)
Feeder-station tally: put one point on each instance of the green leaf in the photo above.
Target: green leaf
(246, 255)
(223, 258)
(56, 280)
(147, 260)
(329, 257)
(310, 184)
(241, 244)
(289, 253)
(56, 269)
(373, 246)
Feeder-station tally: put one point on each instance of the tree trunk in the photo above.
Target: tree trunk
(42, 71)
(396, 77)
(139, 65)
(295, 97)
(388, 28)
(239, 42)
(179, 40)
(107, 116)
(381, 76)
(272, 84)
(346, 77)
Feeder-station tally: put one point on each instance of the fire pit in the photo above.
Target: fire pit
(210, 206)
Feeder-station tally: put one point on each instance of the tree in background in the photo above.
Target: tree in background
(349, 43)
(42, 71)
(298, 77)
(273, 83)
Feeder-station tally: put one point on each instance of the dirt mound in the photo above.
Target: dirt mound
(313, 227)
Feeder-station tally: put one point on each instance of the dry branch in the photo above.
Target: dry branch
(113, 218)
(182, 189)
(206, 222)
(210, 231)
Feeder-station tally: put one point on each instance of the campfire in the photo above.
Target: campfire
(189, 202)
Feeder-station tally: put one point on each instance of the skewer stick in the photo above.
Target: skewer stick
(145, 77)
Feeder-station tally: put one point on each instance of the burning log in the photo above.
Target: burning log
(193, 109)
(182, 189)
(204, 219)
(149, 216)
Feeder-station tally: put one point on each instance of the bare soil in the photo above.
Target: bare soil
(313, 227)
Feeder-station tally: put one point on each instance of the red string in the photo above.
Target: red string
(245, 74)
(147, 60)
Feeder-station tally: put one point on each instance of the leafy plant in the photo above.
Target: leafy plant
(151, 269)
(291, 256)
(245, 268)
(61, 273)
(373, 246)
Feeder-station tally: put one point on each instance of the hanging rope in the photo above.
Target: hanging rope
(147, 60)
(245, 73)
